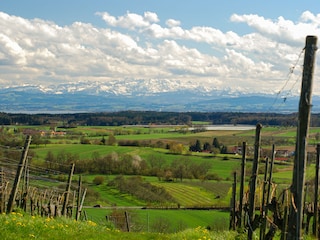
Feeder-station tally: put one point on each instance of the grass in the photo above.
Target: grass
(85, 151)
(187, 193)
(18, 226)
(222, 165)
(112, 197)
(145, 219)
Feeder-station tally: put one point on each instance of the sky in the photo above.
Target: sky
(240, 46)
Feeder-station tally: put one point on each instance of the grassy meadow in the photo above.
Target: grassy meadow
(186, 193)
(20, 226)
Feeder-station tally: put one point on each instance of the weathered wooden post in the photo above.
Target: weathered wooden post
(2, 191)
(18, 174)
(243, 176)
(67, 193)
(273, 152)
(284, 229)
(253, 180)
(263, 207)
(270, 175)
(316, 192)
(82, 199)
(25, 186)
(232, 224)
(79, 198)
(126, 215)
(298, 178)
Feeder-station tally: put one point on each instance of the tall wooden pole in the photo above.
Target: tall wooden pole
(264, 205)
(316, 192)
(67, 193)
(233, 203)
(18, 174)
(253, 181)
(2, 191)
(270, 176)
(82, 200)
(243, 176)
(79, 198)
(298, 178)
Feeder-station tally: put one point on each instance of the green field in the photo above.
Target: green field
(177, 219)
(19, 226)
(187, 192)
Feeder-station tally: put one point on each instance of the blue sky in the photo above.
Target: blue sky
(192, 12)
(244, 46)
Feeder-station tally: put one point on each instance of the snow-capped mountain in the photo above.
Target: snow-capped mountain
(151, 94)
(122, 87)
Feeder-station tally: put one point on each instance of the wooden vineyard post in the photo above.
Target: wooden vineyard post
(126, 215)
(263, 207)
(270, 178)
(18, 174)
(25, 185)
(243, 176)
(298, 178)
(79, 198)
(2, 192)
(67, 193)
(232, 224)
(253, 180)
(82, 200)
(316, 191)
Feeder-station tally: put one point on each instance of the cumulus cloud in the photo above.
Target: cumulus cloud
(11, 52)
(130, 20)
(38, 51)
(172, 23)
(281, 29)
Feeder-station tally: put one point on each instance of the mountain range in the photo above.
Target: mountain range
(141, 95)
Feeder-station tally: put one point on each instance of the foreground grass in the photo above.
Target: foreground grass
(166, 221)
(18, 226)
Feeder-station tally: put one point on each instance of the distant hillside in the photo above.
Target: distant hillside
(152, 117)
(73, 99)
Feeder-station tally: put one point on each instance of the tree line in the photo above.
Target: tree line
(126, 164)
(153, 117)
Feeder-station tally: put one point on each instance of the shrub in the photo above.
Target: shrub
(98, 180)
(84, 140)
(225, 158)
(213, 176)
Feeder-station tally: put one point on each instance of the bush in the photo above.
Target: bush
(98, 180)
(225, 158)
(213, 176)
(84, 140)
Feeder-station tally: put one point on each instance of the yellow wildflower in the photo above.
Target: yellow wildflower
(91, 223)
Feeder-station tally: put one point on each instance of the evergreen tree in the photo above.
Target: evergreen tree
(224, 149)
(206, 147)
(198, 146)
(216, 143)
(111, 140)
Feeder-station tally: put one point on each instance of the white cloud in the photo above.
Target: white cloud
(151, 17)
(282, 30)
(309, 17)
(130, 20)
(172, 23)
(42, 52)
(11, 52)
